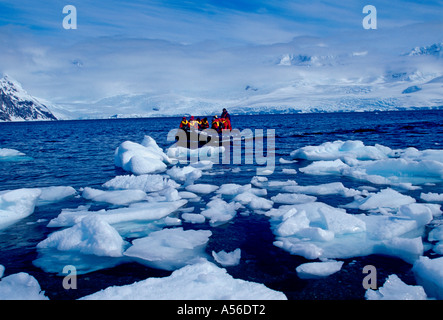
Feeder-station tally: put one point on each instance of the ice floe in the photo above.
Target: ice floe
(117, 197)
(219, 211)
(314, 270)
(429, 274)
(227, 259)
(395, 289)
(143, 158)
(91, 235)
(200, 281)
(145, 182)
(20, 286)
(7, 154)
(169, 249)
(16, 205)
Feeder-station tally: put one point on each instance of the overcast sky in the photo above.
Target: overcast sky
(123, 47)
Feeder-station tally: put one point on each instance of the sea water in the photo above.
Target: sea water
(81, 154)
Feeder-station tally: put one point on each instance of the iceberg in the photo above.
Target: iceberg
(395, 289)
(143, 211)
(20, 286)
(91, 235)
(144, 158)
(227, 259)
(429, 274)
(200, 281)
(7, 154)
(17, 204)
(117, 197)
(54, 194)
(169, 249)
(219, 211)
(314, 270)
(341, 150)
(202, 188)
(145, 182)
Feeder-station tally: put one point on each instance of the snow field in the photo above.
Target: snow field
(146, 210)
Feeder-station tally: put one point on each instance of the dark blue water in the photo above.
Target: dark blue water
(81, 154)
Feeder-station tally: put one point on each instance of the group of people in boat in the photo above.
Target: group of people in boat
(218, 123)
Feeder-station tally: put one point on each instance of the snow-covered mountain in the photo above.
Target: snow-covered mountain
(435, 49)
(17, 105)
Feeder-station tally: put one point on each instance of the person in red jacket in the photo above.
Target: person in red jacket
(226, 120)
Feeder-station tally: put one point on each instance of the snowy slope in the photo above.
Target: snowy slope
(17, 105)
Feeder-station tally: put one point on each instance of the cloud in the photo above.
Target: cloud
(210, 49)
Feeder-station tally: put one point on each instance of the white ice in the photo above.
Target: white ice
(169, 249)
(20, 286)
(219, 211)
(91, 235)
(200, 281)
(201, 188)
(145, 182)
(431, 197)
(144, 158)
(193, 217)
(314, 270)
(117, 197)
(395, 289)
(54, 194)
(143, 211)
(376, 164)
(16, 205)
(227, 259)
(429, 274)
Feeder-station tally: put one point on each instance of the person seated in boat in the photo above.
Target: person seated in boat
(184, 124)
(193, 124)
(204, 124)
(199, 123)
(226, 120)
(216, 124)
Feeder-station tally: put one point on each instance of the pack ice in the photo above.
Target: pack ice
(200, 281)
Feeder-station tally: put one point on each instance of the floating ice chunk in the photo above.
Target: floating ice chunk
(423, 213)
(385, 199)
(91, 235)
(263, 182)
(54, 194)
(292, 198)
(313, 270)
(187, 195)
(118, 197)
(142, 211)
(284, 161)
(429, 274)
(16, 205)
(219, 211)
(21, 286)
(253, 202)
(342, 149)
(436, 234)
(396, 171)
(169, 249)
(227, 259)
(7, 154)
(323, 189)
(186, 175)
(298, 247)
(143, 158)
(231, 189)
(293, 221)
(395, 289)
(193, 217)
(289, 171)
(404, 248)
(340, 222)
(200, 281)
(432, 197)
(325, 167)
(2, 270)
(145, 182)
(201, 188)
